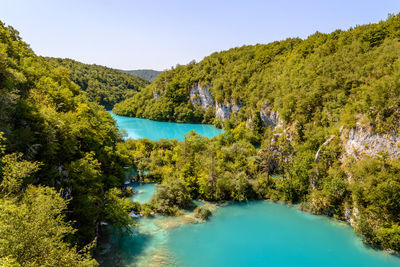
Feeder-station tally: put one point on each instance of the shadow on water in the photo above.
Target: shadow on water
(123, 249)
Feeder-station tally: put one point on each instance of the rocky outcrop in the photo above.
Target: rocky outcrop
(201, 96)
(269, 117)
(224, 111)
(361, 141)
(351, 214)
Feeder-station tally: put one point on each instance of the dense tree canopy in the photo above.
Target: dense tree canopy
(103, 85)
(54, 141)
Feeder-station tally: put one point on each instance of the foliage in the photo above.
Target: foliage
(53, 141)
(103, 85)
(33, 228)
(116, 210)
(202, 213)
(376, 195)
(171, 197)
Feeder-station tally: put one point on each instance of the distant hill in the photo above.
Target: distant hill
(103, 85)
(148, 75)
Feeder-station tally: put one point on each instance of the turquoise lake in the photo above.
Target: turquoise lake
(146, 191)
(143, 128)
(256, 233)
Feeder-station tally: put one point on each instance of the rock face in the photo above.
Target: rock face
(224, 111)
(270, 118)
(362, 142)
(201, 96)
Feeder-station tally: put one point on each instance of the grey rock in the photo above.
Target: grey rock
(363, 142)
(201, 96)
(269, 117)
(224, 110)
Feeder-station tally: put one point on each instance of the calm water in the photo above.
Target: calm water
(142, 128)
(264, 233)
(145, 192)
(257, 233)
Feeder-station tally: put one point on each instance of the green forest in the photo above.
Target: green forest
(103, 85)
(59, 167)
(63, 160)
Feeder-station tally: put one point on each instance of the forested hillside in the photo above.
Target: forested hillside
(103, 85)
(313, 121)
(59, 163)
(326, 77)
(149, 75)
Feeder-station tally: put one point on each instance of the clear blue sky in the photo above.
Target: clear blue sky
(159, 34)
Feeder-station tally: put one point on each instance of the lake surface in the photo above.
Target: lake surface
(143, 128)
(145, 191)
(263, 233)
(258, 233)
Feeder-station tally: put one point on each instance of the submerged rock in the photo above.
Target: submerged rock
(172, 222)
(161, 257)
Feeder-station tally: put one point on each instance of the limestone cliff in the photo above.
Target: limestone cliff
(201, 96)
(224, 110)
(361, 141)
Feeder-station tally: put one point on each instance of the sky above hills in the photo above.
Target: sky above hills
(159, 34)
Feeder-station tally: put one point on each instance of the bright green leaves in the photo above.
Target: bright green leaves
(116, 210)
(376, 194)
(171, 197)
(47, 118)
(103, 85)
(14, 171)
(33, 230)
